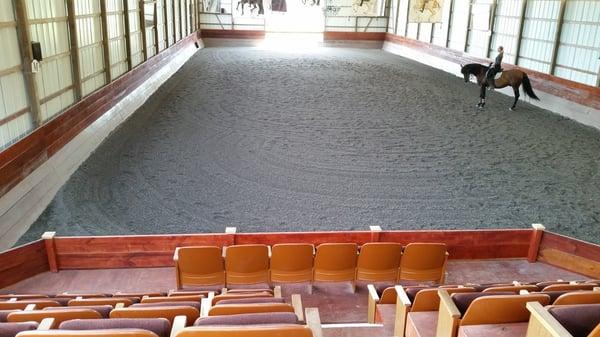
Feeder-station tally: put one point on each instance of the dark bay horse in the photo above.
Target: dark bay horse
(512, 77)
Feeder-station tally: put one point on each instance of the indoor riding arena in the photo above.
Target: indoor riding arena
(307, 168)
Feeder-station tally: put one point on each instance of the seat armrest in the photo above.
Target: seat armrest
(205, 305)
(372, 304)
(277, 292)
(448, 316)
(176, 255)
(46, 324)
(30, 307)
(313, 321)
(178, 324)
(403, 305)
(541, 323)
(297, 304)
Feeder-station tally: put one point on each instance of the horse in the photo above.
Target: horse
(253, 4)
(512, 77)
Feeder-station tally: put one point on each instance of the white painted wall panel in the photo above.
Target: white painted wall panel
(506, 29)
(538, 34)
(460, 21)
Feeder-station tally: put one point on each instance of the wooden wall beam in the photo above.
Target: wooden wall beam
(127, 33)
(397, 16)
(534, 244)
(156, 43)
(181, 19)
(24, 37)
(142, 15)
(559, 23)
(492, 22)
(75, 63)
(520, 31)
(48, 238)
(174, 17)
(469, 15)
(448, 17)
(105, 45)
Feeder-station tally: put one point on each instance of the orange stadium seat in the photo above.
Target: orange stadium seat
(292, 262)
(379, 262)
(59, 316)
(160, 326)
(89, 333)
(199, 266)
(168, 312)
(39, 304)
(513, 289)
(335, 262)
(164, 299)
(113, 301)
(233, 309)
(564, 321)
(234, 296)
(578, 297)
(569, 287)
(247, 265)
(424, 262)
(248, 331)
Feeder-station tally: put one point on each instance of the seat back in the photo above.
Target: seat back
(237, 296)
(168, 312)
(113, 301)
(513, 289)
(246, 319)
(423, 262)
(163, 299)
(429, 300)
(21, 305)
(12, 329)
(388, 296)
(58, 315)
(103, 310)
(335, 262)
(579, 320)
(500, 309)
(292, 262)
(570, 287)
(233, 309)
(22, 296)
(199, 266)
(89, 333)
(82, 295)
(160, 326)
(378, 262)
(578, 297)
(292, 330)
(247, 264)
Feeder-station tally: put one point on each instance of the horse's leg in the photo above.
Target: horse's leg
(481, 103)
(516, 91)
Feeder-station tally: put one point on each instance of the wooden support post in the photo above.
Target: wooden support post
(469, 20)
(231, 231)
(397, 16)
(520, 31)
(143, 29)
(534, 244)
(105, 46)
(174, 17)
(447, 32)
(406, 23)
(181, 19)
(75, 64)
(559, 24)
(156, 46)
(48, 238)
(24, 37)
(492, 22)
(375, 233)
(127, 33)
(313, 321)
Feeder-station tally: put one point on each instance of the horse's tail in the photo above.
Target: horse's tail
(527, 87)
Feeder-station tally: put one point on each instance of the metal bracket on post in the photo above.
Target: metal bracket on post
(534, 244)
(48, 238)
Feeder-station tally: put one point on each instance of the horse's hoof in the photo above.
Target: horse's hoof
(511, 109)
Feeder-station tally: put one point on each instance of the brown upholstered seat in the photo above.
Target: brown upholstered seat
(12, 329)
(292, 262)
(112, 301)
(103, 310)
(247, 264)
(423, 262)
(4, 314)
(182, 298)
(58, 315)
(245, 319)
(199, 266)
(167, 304)
(279, 330)
(89, 333)
(379, 262)
(233, 309)
(579, 320)
(233, 296)
(168, 312)
(335, 262)
(160, 326)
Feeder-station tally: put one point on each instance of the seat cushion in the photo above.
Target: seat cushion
(494, 330)
(159, 326)
(167, 304)
(579, 319)
(4, 314)
(244, 319)
(252, 300)
(12, 329)
(421, 324)
(103, 310)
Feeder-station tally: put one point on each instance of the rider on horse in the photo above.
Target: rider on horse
(495, 68)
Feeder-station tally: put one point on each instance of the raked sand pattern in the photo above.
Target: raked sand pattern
(330, 139)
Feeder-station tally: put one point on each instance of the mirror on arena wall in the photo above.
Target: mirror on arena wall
(211, 6)
(353, 8)
(425, 11)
